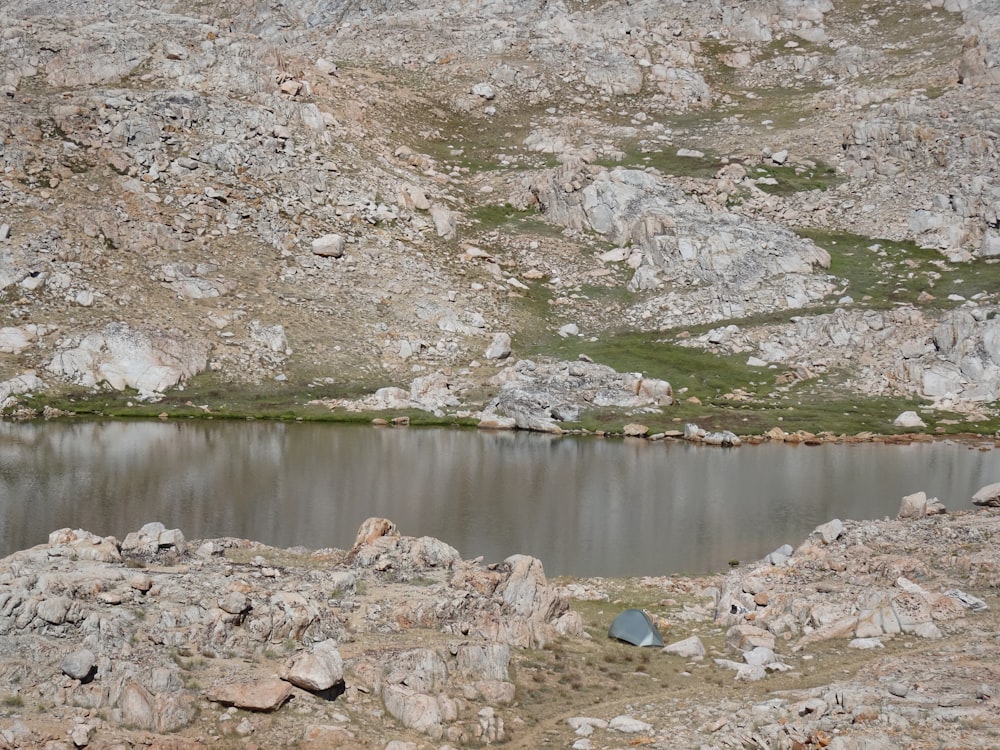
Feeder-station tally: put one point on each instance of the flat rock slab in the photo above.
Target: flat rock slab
(263, 695)
(629, 725)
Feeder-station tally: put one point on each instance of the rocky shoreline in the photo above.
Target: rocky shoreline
(555, 398)
(866, 635)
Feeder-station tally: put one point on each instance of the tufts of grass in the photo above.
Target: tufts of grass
(702, 373)
(528, 222)
(669, 163)
(791, 178)
(891, 272)
(206, 398)
(283, 558)
(819, 405)
(795, 178)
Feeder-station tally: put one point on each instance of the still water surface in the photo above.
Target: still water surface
(584, 506)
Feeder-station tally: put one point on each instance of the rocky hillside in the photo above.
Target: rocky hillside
(320, 199)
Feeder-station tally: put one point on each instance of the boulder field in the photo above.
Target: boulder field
(865, 635)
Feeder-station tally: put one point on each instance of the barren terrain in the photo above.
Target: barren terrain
(268, 206)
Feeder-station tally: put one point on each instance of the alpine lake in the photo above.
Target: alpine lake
(585, 506)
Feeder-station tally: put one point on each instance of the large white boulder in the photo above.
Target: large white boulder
(150, 361)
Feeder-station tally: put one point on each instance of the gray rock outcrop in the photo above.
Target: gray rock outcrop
(888, 604)
(689, 648)
(318, 669)
(215, 171)
(439, 646)
(129, 640)
(79, 665)
(261, 695)
(980, 63)
(536, 395)
(948, 358)
(727, 265)
(988, 496)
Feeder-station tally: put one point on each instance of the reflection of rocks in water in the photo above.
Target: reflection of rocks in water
(568, 501)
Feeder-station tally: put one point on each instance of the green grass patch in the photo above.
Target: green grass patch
(891, 272)
(795, 178)
(790, 178)
(478, 152)
(471, 141)
(535, 315)
(205, 397)
(732, 395)
(702, 373)
(529, 222)
(807, 410)
(780, 109)
(666, 161)
(823, 404)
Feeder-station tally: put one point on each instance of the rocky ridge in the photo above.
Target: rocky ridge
(146, 613)
(956, 360)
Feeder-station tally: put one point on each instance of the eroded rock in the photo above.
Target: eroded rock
(262, 695)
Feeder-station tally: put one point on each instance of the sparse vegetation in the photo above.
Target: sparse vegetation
(881, 273)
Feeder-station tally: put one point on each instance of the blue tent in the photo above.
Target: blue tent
(634, 626)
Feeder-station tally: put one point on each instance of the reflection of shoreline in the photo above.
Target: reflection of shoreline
(601, 507)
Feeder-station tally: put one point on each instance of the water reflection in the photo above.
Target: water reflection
(584, 506)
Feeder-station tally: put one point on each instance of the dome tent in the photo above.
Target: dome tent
(635, 626)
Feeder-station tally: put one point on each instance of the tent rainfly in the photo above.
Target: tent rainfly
(634, 626)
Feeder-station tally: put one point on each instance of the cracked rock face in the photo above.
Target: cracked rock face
(956, 361)
(737, 267)
(149, 362)
(536, 395)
